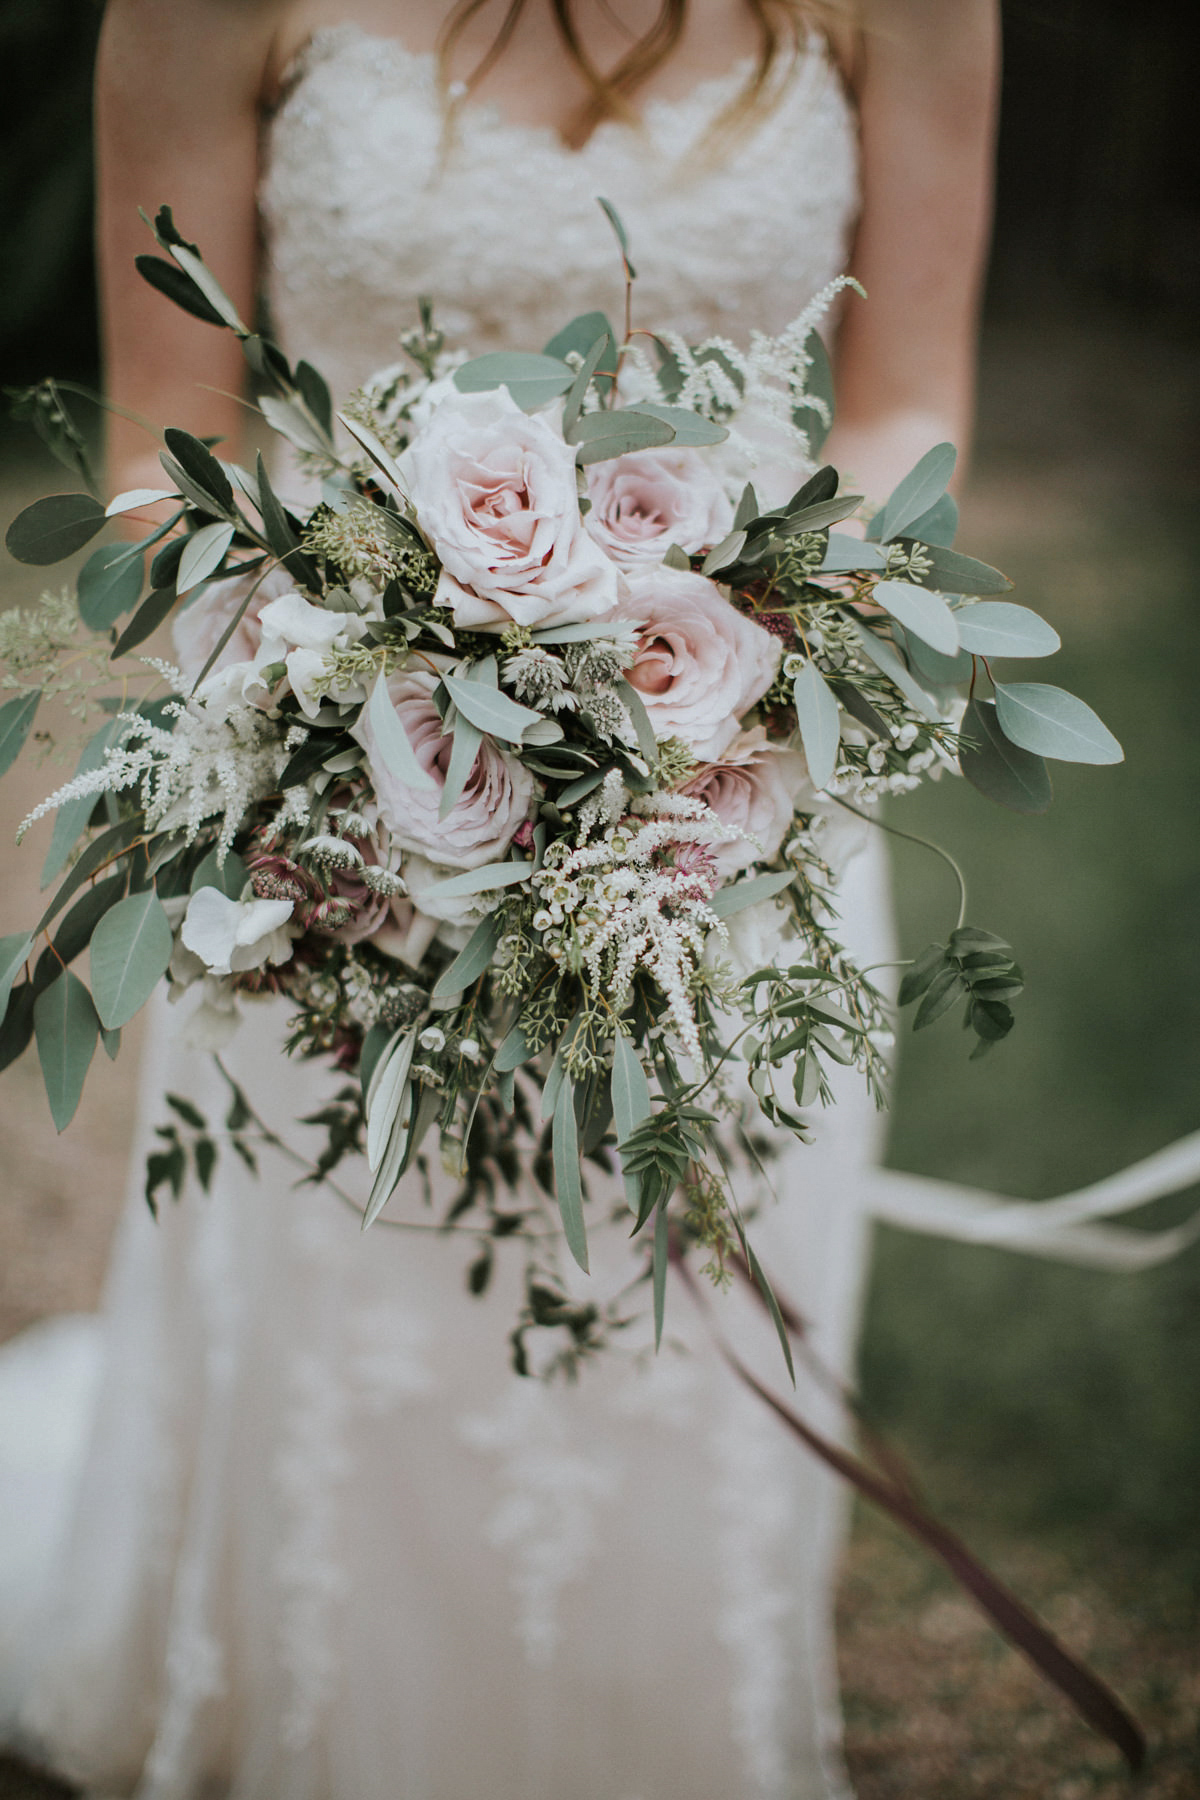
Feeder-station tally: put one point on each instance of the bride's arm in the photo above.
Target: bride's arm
(925, 78)
(178, 91)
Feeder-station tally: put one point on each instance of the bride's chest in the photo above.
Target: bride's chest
(367, 204)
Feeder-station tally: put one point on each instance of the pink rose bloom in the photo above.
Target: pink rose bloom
(495, 493)
(699, 663)
(647, 500)
(754, 789)
(197, 629)
(496, 799)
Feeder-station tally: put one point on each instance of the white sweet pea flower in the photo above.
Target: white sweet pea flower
(301, 636)
(232, 935)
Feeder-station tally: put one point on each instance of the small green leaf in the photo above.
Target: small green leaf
(844, 553)
(203, 553)
(65, 1022)
(532, 380)
(391, 739)
(953, 573)
(481, 881)
(920, 611)
(631, 1105)
(999, 769)
(602, 350)
(490, 710)
(230, 876)
(16, 722)
(156, 607)
(998, 628)
(819, 718)
(472, 961)
(636, 708)
(614, 218)
(293, 421)
(661, 1259)
(110, 582)
(888, 661)
(53, 528)
(201, 467)
(921, 488)
(577, 338)
(177, 287)
(940, 996)
(107, 847)
(740, 894)
(209, 286)
(131, 947)
(939, 525)
(725, 554)
(918, 977)
(1050, 722)
(601, 435)
(512, 1052)
(692, 429)
(13, 952)
(378, 452)
(568, 1177)
(191, 1115)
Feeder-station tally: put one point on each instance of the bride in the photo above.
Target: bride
(318, 1543)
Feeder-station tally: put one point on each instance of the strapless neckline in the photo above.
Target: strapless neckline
(709, 95)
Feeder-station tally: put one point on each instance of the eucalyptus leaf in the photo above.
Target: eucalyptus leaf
(16, 722)
(130, 950)
(65, 1024)
(463, 752)
(201, 467)
(889, 663)
(512, 1052)
(110, 582)
(740, 894)
(472, 961)
(293, 421)
(576, 339)
(614, 218)
(939, 525)
(692, 429)
(481, 881)
(385, 1094)
(73, 815)
(156, 607)
(582, 632)
(74, 934)
(135, 498)
(1050, 722)
(568, 1174)
(923, 613)
(490, 710)
(532, 380)
(107, 848)
(819, 719)
(998, 628)
(631, 1105)
(203, 553)
(391, 739)
(53, 528)
(229, 877)
(659, 1265)
(601, 435)
(843, 553)
(378, 452)
(725, 554)
(636, 708)
(573, 405)
(953, 573)
(13, 952)
(931, 666)
(921, 488)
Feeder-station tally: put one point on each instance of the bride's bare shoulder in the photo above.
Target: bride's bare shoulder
(218, 44)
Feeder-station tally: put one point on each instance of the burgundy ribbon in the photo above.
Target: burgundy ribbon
(894, 1493)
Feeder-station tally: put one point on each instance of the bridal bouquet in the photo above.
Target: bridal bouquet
(517, 758)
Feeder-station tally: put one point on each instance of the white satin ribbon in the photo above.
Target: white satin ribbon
(1065, 1228)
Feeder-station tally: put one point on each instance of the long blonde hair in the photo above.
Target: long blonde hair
(781, 29)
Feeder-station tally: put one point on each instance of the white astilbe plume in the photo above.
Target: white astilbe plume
(205, 765)
(768, 380)
(633, 894)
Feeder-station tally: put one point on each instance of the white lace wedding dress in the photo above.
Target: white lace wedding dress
(282, 1526)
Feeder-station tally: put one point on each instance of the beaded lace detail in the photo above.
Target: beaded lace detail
(366, 208)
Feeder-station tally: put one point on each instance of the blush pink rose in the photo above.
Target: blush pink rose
(754, 789)
(644, 502)
(493, 804)
(197, 629)
(495, 493)
(699, 664)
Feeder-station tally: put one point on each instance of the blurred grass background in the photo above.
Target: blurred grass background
(1054, 1413)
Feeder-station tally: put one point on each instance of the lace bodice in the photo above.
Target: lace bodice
(366, 207)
